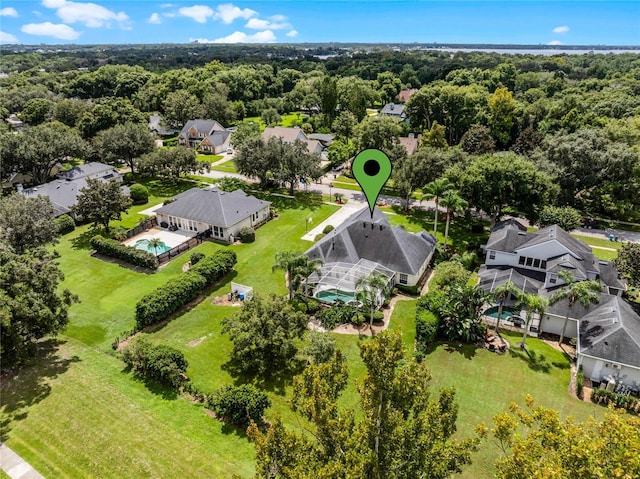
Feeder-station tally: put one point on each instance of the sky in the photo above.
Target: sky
(577, 22)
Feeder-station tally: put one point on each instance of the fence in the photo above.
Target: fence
(182, 247)
(142, 227)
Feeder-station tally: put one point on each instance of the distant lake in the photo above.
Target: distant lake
(533, 51)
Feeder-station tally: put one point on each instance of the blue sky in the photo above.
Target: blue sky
(518, 22)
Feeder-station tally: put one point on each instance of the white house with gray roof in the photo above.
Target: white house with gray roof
(608, 332)
(63, 192)
(360, 237)
(208, 136)
(223, 213)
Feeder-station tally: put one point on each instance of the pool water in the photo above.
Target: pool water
(506, 312)
(143, 244)
(336, 295)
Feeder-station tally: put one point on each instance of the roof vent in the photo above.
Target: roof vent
(380, 227)
(372, 226)
(613, 309)
(522, 233)
(614, 320)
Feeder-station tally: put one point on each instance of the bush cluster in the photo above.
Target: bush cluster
(338, 314)
(64, 224)
(328, 229)
(247, 234)
(174, 294)
(426, 328)
(161, 363)
(629, 403)
(195, 257)
(128, 254)
(139, 193)
(239, 404)
(579, 382)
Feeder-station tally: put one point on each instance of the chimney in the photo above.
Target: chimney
(19, 188)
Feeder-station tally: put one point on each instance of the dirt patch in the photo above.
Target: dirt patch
(225, 301)
(193, 343)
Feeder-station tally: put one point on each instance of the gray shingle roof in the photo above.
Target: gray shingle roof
(218, 137)
(612, 332)
(202, 126)
(609, 275)
(375, 240)
(91, 170)
(288, 135)
(213, 206)
(393, 109)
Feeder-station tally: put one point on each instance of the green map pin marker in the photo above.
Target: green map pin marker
(372, 169)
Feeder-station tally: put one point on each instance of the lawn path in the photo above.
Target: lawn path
(15, 466)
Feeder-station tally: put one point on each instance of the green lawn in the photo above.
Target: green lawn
(208, 158)
(226, 167)
(288, 120)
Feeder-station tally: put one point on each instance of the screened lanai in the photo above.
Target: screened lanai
(337, 281)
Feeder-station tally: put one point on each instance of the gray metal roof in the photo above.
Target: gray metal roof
(376, 240)
(612, 332)
(213, 206)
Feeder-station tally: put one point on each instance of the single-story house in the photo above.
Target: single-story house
(63, 191)
(394, 110)
(157, 126)
(211, 209)
(290, 136)
(208, 135)
(25, 178)
(410, 143)
(406, 254)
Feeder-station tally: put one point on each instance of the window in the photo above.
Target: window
(543, 264)
(553, 278)
(529, 261)
(521, 260)
(404, 279)
(492, 255)
(536, 263)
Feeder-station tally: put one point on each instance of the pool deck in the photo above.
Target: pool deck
(170, 238)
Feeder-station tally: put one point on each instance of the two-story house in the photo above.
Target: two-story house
(208, 136)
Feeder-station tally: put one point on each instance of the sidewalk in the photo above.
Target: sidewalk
(334, 220)
(15, 466)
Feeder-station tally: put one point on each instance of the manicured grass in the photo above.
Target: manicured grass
(288, 120)
(208, 158)
(604, 254)
(77, 414)
(226, 167)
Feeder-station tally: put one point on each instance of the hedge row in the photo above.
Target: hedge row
(216, 266)
(128, 254)
(426, 328)
(168, 298)
(629, 403)
(174, 294)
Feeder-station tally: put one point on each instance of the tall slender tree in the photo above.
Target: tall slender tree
(435, 191)
(297, 267)
(500, 295)
(583, 292)
(369, 291)
(534, 304)
(454, 204)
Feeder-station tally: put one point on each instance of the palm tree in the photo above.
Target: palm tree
(434, 191)
(500, 295)
(574, 291)
(297, 267)
(368, 290)
(454, 204)
(534, 304)
(156, 244)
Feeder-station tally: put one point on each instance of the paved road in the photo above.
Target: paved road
(15, 466)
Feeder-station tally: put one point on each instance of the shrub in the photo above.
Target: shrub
(579, 382)
(300, 306)
(128, 178)
(168, 298)
(426, 328)
(313, 306)
(337, 314)
(174, 294)
(448, 273)
(239, 404)
(64, 224)
(195, 257)
(216, 266)
(128, 254)
(412, 290)
(161, 363)
(629, 403)
(328, 229)
(318, 237)
(247, 234)
(139, 193)
(378, 316)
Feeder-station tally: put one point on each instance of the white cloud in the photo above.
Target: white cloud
(91, 15)
(241, 37)
(562, 29)
(154, 18)
(292, 33)
(167, 5)
(555, 42)
(278, 18)
(260, 24)
(228, 12)
(198, 13)
(37, 13)
(48, 29)
(7, 38)
(9, 12)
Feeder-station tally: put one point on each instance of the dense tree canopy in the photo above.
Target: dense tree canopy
(126, 142)
(26, 222)
(100, 202)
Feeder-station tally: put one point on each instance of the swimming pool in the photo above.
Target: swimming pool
(143, 244)
(331, 296)
(506, 312)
